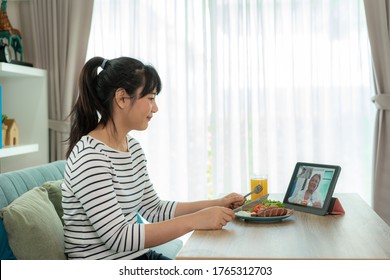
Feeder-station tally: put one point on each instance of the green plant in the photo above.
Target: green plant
(3, 118)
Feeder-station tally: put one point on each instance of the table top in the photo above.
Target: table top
(358, 234)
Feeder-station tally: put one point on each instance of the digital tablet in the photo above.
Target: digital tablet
(311, 187)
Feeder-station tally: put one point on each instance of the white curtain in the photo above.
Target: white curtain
(248, 87)
(378, 17)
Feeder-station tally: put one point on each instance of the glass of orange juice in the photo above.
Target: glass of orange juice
(259, 180)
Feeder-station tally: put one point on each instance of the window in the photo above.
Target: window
(248, 86)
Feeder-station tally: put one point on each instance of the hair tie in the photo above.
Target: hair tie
(103, 63)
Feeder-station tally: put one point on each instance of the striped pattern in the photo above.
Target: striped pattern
(102, 193)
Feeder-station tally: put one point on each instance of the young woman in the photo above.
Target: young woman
(106, 180)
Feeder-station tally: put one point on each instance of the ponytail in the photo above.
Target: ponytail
(84, 117)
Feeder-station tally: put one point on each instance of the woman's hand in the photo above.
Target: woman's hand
(232, 200)
(211, 218)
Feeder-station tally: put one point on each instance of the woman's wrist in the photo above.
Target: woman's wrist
(219, 202)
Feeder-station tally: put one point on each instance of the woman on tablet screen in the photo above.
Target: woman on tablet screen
(309, 197)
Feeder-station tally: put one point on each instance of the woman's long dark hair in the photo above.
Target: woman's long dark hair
(97, 91)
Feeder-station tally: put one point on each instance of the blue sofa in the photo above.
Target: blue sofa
(30, 212)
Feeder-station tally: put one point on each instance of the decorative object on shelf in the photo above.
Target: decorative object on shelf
(4, 128)
(4, 133)
(12, 135)
(5, 55)
(10, 36)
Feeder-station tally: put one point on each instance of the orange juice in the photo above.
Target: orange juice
(263, 181)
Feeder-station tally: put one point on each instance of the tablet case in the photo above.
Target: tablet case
(335, 207)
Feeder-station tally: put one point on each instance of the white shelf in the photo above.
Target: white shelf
(20, 71)
(9, 151)
(25, 99)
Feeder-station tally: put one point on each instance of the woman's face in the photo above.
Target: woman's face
(141, 111)
(313, 183)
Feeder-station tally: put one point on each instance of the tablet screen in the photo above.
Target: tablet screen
(311, 187)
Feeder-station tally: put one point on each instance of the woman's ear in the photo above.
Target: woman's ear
(120, 98)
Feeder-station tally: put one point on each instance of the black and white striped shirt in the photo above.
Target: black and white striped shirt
(102, 193)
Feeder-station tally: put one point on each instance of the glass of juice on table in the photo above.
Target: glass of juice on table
(259, 180)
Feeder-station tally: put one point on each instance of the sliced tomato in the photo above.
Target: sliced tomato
(257, 207)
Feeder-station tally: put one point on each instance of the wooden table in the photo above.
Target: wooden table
(359, 234)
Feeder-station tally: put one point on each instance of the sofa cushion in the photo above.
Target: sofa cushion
(5, 251)
(33, 227)
(55, 195)
(15, 183)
